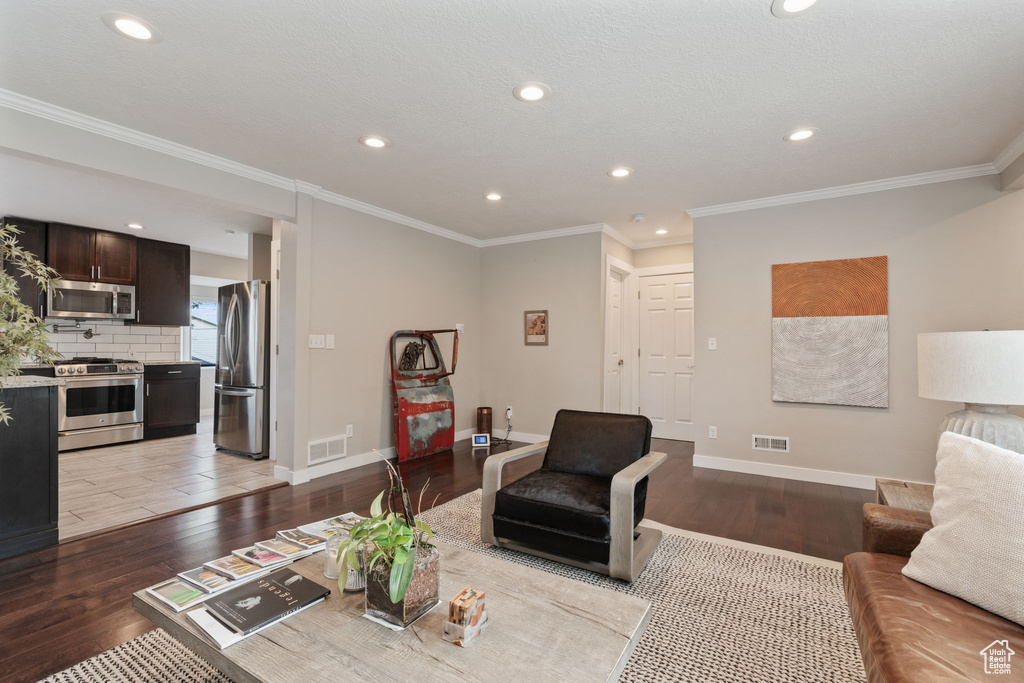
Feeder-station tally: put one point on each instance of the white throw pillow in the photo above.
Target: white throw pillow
(975, 550)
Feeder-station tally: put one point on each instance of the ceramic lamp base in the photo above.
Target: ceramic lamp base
(988, 423)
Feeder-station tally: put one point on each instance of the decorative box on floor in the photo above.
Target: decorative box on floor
(467, 617)
(422, 396)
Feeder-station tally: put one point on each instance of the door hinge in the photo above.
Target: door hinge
(278, 273)
(638, 353)
(638, 294)
(275, 425)
(277, 349)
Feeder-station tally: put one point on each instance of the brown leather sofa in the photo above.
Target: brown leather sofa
(906, 630)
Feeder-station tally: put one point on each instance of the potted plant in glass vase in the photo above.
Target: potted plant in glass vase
(393, 547)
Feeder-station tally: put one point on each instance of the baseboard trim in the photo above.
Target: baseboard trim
(859, 481)
(346, 463)
(521, 436)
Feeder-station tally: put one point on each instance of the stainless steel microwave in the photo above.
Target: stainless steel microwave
(71, 299)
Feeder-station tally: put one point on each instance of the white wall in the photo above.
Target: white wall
(561, 275)
(372, 277)
(954, 251)
(221, 267)
(670, 255)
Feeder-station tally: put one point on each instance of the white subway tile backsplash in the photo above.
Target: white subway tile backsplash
(145, 348)
(111, 348)
(142, 330)
(173, 348)
(161, 356)
(124, 339)
(169, 339)
(66, 347)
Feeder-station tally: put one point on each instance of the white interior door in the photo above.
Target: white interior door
(666, 354)
(614, 361)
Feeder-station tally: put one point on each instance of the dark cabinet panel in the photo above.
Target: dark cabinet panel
(172, 401)
(115, 258)
(33, 238)
(28, 461)
(70, 251)
(162, 289)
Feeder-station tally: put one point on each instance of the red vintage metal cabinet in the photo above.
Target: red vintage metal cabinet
(422, 398)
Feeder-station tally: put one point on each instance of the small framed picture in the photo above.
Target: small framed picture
(481, 441)
(536, 328)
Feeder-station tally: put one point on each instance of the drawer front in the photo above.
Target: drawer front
(183, 371)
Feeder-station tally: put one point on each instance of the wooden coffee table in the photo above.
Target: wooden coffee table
(541, 627)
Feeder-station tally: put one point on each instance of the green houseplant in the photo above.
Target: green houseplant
(393, 548)
(23, 335)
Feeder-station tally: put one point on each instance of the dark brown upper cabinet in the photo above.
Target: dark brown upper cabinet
(92, 255)
(162, 293)
(33, 239)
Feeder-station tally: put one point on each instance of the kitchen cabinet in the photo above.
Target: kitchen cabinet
(28, 461)
(91, 255)
(162, 295)
(33, 239)
(171, 405)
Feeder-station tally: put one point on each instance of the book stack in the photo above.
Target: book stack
(195, 586)
(250, 608)
(467, 617)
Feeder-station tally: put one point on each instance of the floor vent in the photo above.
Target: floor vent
(778, 444)
(327, 449)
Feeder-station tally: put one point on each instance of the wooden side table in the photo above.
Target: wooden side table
(904, 494)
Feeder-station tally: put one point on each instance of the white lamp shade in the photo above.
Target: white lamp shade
(972, 367)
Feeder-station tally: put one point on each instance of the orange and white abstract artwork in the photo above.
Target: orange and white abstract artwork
(830, 332)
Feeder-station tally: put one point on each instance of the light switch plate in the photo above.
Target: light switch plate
(330, 341)
(460, 328)
(712, 343)
(712, 432)
(348, 430)
(317, 341)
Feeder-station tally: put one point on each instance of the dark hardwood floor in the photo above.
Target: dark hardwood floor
(64, 604)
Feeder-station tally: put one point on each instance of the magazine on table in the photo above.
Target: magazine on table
(234, 567)
(303, 539)
(221, 635)
(266, 600)
(213, 583)
(326, 528)
(259, 556)
(286, 549)
(177, 594)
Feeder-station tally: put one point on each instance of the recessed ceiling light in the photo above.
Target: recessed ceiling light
(131, 27)
(374, 141)
(531, 92)
(801, 134)
(135, 226)
(620, 172)
(784, 9)
(663, 231)
(229, 232)
(494, 196)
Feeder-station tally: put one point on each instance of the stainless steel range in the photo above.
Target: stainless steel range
(100, 402)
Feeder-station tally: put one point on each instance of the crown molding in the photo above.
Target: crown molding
(91, 124)
(846, 190)
(348, 202)
(1010, 154)
(618, 236)
(651, 244)
(548, 235)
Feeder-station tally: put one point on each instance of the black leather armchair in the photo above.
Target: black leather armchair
(584, 505)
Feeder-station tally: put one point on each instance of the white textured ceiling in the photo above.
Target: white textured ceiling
(30, 188)
(696, 96)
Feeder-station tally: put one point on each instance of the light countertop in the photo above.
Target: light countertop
(23, 381)
(171, 362)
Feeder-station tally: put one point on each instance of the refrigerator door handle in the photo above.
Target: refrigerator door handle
(239, 392)
(229, 329)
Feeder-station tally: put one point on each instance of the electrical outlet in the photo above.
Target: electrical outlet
(712, 432)
(330, 341)
(712, 343)
(460, 328)
(348, 430)
(317, 341)
(508, 413)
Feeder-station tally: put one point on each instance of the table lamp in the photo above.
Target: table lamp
(984, 370)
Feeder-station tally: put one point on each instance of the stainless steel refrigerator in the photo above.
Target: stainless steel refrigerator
(241, 413)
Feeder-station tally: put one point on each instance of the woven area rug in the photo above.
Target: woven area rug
(723, 611)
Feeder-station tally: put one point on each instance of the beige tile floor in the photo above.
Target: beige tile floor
(106, 487)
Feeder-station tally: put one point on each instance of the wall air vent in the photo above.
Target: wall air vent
(778, 444)
(327, 449)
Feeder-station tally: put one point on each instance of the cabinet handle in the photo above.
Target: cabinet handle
(174, 372)
(147, 389)
(92, 272)
(99, 272)
(138, 312)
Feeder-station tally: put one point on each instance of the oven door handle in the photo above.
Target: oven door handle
(94, 378)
